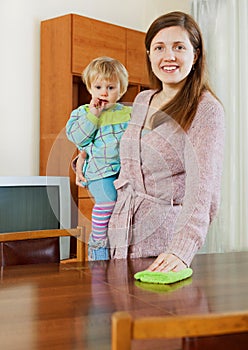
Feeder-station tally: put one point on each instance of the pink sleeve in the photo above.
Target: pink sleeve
(203, 159)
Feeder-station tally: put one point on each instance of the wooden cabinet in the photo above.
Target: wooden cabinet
(68, 44)
(92, 38)
(136, 57)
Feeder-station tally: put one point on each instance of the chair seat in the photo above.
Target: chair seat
(38, 247)
(125, 328)
(35, 251)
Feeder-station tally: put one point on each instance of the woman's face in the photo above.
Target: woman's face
(172, 55)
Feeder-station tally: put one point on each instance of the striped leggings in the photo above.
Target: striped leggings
(104, 193)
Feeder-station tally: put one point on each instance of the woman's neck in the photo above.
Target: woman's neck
(159, 100)
(167, 93)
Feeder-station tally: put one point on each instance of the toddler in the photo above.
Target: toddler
(96, 129)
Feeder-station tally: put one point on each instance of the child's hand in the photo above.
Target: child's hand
(79, 168)
(97, 105)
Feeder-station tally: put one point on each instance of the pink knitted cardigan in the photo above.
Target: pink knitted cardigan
(169, 184)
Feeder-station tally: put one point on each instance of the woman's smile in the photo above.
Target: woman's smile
(169, 68)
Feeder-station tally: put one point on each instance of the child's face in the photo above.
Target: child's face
(106, 91)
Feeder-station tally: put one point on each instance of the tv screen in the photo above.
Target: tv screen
(27, 208)
(36, 203)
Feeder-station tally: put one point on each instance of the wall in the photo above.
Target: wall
(19, 65)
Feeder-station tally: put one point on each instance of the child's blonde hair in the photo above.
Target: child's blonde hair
(106, 68)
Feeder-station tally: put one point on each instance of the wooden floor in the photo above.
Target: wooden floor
(68, 306)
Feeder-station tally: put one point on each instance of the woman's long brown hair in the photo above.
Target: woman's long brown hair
(182, 108)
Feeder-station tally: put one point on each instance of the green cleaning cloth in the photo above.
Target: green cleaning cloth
(162, 288)
(163, 277)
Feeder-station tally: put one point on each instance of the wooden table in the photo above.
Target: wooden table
(68, 306)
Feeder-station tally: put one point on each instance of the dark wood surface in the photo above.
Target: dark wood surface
(68, 306)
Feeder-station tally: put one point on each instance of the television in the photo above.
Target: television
(36, 203)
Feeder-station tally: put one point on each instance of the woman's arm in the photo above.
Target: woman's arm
(203, 160)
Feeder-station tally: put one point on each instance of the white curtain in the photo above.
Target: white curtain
(224, 24)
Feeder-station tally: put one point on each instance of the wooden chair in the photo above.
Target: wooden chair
(45, 248)
(125, 328)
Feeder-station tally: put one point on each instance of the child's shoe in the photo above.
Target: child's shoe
(100, 254)
(97, 249)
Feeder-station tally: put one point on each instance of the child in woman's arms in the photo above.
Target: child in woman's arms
(96, 129)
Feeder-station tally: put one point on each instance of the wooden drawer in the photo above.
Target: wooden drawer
(85, 206)
(83, 192)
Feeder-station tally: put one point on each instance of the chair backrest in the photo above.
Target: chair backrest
(125, 328)
(42, 246)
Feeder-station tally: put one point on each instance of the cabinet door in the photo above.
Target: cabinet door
(136, 57)
(55, 74)
(92, 38)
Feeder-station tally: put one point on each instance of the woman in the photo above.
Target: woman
(171, 153)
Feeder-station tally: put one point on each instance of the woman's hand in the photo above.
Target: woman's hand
(167, 262)
(79, 168)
